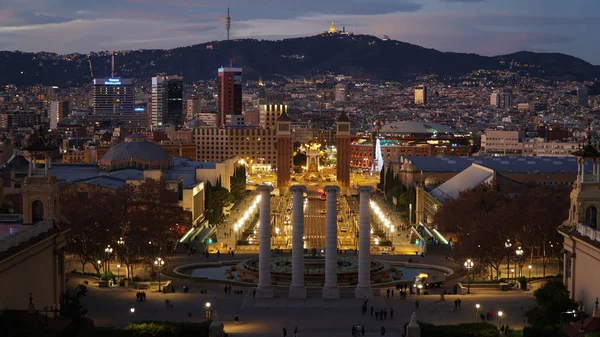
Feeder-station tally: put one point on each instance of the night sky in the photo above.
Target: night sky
(488, 27)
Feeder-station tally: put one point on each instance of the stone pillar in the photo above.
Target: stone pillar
(363, 289)
(264, 290)
(330, 288)
(297, 289)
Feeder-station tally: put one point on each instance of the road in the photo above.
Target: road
(314, 220)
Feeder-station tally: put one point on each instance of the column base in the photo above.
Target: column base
(332, 293)
(297, 293)
(363, 292)
(264, 292)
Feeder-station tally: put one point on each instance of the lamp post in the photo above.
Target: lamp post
(507, 245)
(118, 270)
(469, 266)
(207, 307)
(121, 252)
(108, 251)
(132, 311)
(519, 253)
(529, 266)
(512, 270)
(99, 264)
(501, 315)
(159, 263)
(477, 306)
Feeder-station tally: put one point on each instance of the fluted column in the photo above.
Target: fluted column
(363, 289)
(297, 289)
(330, 288)
(264, 290)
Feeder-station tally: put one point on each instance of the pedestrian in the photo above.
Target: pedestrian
(502, 330)
(392, 293)
(284, 332)
(218, 253)
(377, 315)
(254, 293)
(391, 313)
(225, 290)
(388, 293)
(506, 330)
(295, 331)
(384, 313)
(455, 304)
(459, 302)
(418, 291)
(383, 331)
(353, 330)
(372, 310)
(416, 304)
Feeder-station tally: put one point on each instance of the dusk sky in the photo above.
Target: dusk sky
(488, 27)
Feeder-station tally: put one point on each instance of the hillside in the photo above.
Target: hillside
(359, 56)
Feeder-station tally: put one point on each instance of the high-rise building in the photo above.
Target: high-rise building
(230, 94)
(58, 111)
(167, 100)
(113, 99)
(495, 99)
(506, 100)
(341, 92)
(192, 108)
(582, 96)
(269, 113)
(421, 94)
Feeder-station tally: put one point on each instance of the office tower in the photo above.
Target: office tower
(582, 96)
(341, 93)
(230, 94)
(506, 99)
(495, 99)
(192, 108)
(58, 111)
(167, 100)
(269, 113)
(113, 99)
(421, 94)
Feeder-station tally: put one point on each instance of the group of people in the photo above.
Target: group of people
(140, 296)
(295, 332)
(504, 329)
(358, 330)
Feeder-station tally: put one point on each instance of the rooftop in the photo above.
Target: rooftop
(415, 127)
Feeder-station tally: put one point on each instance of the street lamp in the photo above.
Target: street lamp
(108, 251)
(477, 306)
(99, 264)
(469, 266)
(118, 270)
(512, 270)
(529, 266)
(159, 263)
(519, 253)
(500, 314)
(132, 311)
(507, 245)
(207, 307)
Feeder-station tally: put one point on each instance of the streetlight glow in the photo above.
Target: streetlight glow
(132, 310)
(207, 304)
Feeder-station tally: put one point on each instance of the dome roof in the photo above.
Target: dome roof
(143, 153)
(431, 181)
(415, 127)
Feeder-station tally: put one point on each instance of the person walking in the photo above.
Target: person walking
(372, 311)
(362, 330)
(284, 332)
(459, 302)
(416, 304)
(506, 330)
(391, 313)
(502, 330)
(392, 293)
(388, 293)
(383, 331)
(295, 331)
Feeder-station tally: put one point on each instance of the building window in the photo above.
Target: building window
(591, 214)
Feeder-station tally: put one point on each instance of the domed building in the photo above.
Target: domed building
(135, 153)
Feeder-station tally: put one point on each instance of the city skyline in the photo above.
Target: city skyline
(485, 27)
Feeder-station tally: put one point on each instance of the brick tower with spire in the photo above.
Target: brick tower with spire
(284, 153)
(343, 153)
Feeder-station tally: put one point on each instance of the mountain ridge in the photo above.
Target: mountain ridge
(361, 56)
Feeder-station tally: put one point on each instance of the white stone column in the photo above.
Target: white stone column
(264, 290)
(330, 288)
(583, 170)
(363, 289)
(297, 289)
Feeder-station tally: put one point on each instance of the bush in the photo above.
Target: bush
(107, 275)
(152, 330)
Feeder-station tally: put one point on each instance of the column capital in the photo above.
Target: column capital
(365, 189)
(332, 188)
(265, 188)
(298, 188)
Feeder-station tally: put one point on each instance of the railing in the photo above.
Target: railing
(11, 217)
(25, 235)
(588, 231)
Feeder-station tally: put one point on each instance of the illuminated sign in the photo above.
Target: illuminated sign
(113, 81)
(139, 109)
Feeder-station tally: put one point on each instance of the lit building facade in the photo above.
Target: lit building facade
(58, 111)
(421, 94)
(113, 99)
(219, 144)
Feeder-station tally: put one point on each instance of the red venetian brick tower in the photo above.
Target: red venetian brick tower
(284, 152)
(343, 153)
